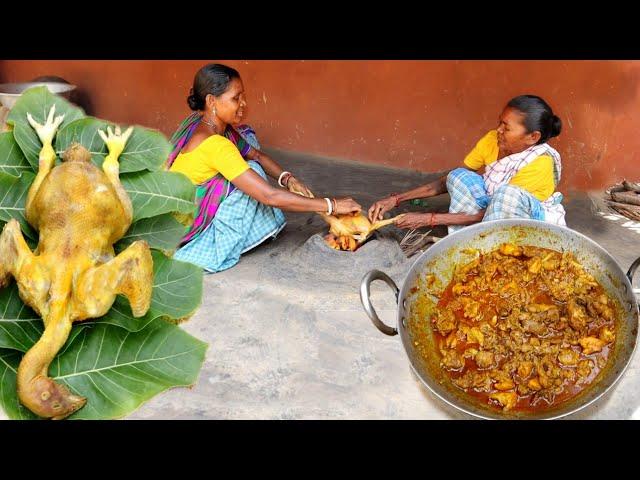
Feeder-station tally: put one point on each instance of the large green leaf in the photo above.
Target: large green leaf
(162, 232)
(13, 196)
(85, 132)
(177, 287)
(12, 160)
(154, 193)
(9, 360)
(145, 150)
(37, 101)
(117, 370)
(20, 327)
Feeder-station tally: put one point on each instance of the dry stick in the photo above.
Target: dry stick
(414, 241)
(618, 187)
(635, 187)
(626, 197)
(625, 209)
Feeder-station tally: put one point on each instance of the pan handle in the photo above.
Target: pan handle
(632, 270)
(365, 287)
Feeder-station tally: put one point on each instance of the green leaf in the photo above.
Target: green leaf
(177, 287)
(162, 232)
(38, 101)
(12, 160)
(20, 327)
(145, 150)
(154, 193)
(116, 370)
(85, 132)
(9, 360)
(13, 196)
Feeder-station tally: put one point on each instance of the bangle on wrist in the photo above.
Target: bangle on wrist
(335, 204)
(396, 199)
(431, 222)
(329, 205)
(282, 175)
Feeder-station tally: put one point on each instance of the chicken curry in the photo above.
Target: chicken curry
(523, 328)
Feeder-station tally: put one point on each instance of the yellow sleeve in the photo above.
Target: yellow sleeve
(536, 178)
(221, 155)
(484, 153)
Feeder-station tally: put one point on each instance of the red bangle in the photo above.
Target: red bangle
(431, 223)
(396, 198)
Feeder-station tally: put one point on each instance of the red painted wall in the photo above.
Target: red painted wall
(422, 115)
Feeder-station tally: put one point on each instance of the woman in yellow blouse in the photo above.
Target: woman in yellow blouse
(237, 207)
(521, 173)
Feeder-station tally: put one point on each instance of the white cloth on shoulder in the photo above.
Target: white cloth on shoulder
(502, 171)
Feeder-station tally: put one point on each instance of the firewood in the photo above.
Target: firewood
(625, 209)
(635, 187)
(626, 197)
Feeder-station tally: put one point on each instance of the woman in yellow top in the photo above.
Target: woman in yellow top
(237, 208)
(521, 173)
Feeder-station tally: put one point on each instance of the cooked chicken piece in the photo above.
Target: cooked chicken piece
(452, 360)
(568, 357)
(534, 384)
(602, 307)
(504, 385)
(484, 359)
(531, 325)
(445, 321)
(584, 368)
(474, 335)
(524, 369)
(550, 263)
(472, 265)
(451, 341)
(540, 307)
(569, 374)
(459, 289)
(508, 400)
(510, 249)
(591, 345)
(510, 288)
(470, 353)
(471, 308)
(607, 335)
(577, 316)
(535, 265)
(544, 381)
(479, 381)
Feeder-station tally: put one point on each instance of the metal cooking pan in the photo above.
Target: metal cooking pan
(416, 306)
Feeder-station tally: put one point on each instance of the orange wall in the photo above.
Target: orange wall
(422, 115)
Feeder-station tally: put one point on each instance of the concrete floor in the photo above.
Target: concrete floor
(289, 338)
